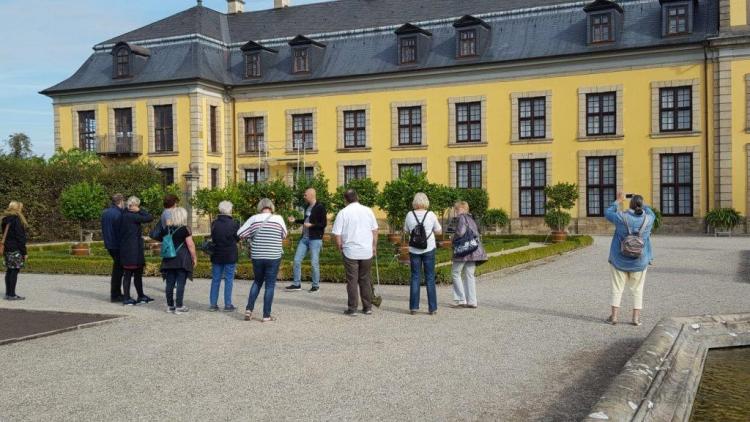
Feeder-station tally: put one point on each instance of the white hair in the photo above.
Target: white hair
(225, 208)
(420, 201)
(177, 217)
(133, 201)
(266, 203)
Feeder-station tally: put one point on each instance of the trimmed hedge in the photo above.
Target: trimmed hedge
(390, 272)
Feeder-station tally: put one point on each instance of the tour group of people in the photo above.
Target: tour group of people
(356, 233)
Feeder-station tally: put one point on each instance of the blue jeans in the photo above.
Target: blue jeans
(265, 271)
(418, 262)
(314, 246)
(176, 278)
(219, 271)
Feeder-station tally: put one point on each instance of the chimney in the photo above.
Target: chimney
(235, 6)
(279, 4)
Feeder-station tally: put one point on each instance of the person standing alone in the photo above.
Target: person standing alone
(313, 225)
(13, 229)
(111, 234)
(356, 231)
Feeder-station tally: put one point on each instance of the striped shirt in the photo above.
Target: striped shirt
(266, 242)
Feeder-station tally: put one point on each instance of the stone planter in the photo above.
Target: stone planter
(394, 239)
(403, 254)
(153, 247)
(80, 249)
(558, 236)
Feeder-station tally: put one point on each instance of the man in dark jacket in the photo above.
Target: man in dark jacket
(111, 234)
(313, 225)
(224, 257)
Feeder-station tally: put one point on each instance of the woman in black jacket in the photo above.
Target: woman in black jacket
(13, 227)
(132, 258)
(224, 257)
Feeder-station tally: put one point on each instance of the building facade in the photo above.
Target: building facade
(640, 96)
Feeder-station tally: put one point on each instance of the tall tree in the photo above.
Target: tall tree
(19, 145)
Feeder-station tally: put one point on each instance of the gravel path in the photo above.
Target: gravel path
(536, 349)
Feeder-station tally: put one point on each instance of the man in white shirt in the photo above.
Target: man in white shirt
(356, 231)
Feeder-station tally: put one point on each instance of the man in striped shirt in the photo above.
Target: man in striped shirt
(265, 230)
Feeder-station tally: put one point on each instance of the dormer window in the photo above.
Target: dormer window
(677, 17)
(472, 36)
(122, 63)
(467, 43)
(255, 56)
(252, 65)
(408, 50)
(306, 54)
(601, 28)
(128, 59)
(412, 43)
(604, 21)
(301, 60)
(677, 20)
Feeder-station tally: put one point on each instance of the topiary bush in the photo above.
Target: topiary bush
(560, 197)
(83, 202)
(397, 195)
(367, 191)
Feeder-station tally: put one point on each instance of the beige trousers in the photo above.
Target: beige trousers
(634, 281)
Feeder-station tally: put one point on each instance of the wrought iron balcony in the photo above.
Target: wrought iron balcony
(120, 145)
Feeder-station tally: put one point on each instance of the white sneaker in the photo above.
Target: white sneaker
(181, 310)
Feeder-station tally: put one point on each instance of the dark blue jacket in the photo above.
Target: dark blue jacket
(225, 238)
(111, 227)
(131, 238)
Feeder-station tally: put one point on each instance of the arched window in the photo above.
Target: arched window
(122, 63)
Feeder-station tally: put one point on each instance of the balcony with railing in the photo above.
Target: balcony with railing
(120, 145)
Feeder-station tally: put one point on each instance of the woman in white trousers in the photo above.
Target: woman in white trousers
(462, 272)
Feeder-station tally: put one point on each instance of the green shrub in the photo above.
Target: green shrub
(152, 198)
(560, 197)
(723, 219)
(496, 218)
(319, 182)
(478, 201)
(397, 195)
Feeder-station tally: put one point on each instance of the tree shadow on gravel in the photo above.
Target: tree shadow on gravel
(503, 306)
(580, 395)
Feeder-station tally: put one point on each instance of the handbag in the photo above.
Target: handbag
(2, 243)
(208, 246)
(465, 244)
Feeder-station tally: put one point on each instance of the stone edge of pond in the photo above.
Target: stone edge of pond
(661, 380)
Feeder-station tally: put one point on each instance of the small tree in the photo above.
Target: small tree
(397, 196)
(478, 201)
(442, 199)
(319, 182)
(152, 198)
(560, 197)
(277, 191)
(367, 191)
(206, 201)
(83, 202)
(19, 145)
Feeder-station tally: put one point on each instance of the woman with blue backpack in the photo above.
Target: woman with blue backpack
(177, 258)
(422, 226)
(630, 252)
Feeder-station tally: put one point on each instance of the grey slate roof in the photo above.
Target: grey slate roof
(514, 36)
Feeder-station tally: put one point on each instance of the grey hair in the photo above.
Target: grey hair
(133, 200)
(225, 208)
(420, 201)
(266, 203)
(177, 217)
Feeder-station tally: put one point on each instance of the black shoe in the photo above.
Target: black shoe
(293, 288)
(367, 311)
(144, 299)
(314, 289)
(213, 308)
(129, 302)
(349, 312)
(117, 299)
(230, 308)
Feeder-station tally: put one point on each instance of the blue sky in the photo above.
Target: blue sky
(45, 41)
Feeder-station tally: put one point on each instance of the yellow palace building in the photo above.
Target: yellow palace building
(642, 96)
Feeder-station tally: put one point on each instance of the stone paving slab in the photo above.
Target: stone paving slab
(536, 349)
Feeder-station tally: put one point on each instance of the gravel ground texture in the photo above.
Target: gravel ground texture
(535, 349)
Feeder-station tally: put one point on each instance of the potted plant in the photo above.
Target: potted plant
(442, 199)
(82, 202)
(495, 218)
(560, 197)
(723, 220)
